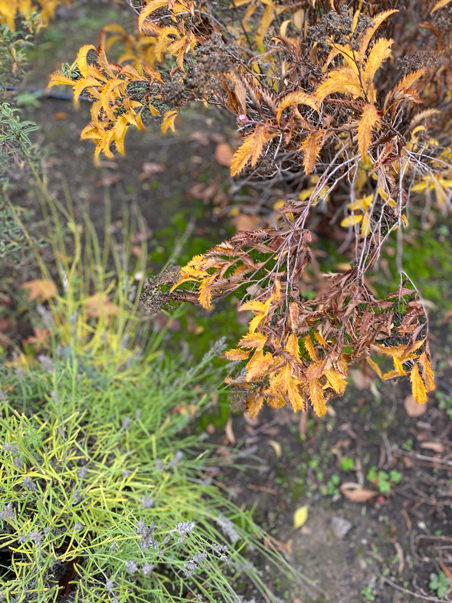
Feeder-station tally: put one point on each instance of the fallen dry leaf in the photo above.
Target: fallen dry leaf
(399, 550)
(98, 305)
(300, 516)
(356, 493)
(265, 489)
(150, 168)
(413, 409)
(224, 154)
(435, 446)
(229, 431)
(109, 180)
(40, 289)
(199, 137)
(245, 222)
(360, 379)
(276, 447)
(203, 191)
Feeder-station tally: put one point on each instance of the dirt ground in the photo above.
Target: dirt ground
(384, 549)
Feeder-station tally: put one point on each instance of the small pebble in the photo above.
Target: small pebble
(340, 526)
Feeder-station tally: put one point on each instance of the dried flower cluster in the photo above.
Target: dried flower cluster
(336, 100)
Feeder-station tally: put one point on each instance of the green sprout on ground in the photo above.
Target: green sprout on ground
(383, 480)
(440, 584)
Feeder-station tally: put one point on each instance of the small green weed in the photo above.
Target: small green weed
(368, 594)
(383, 480)
(347, 463)
(440, 584)
(445, 402)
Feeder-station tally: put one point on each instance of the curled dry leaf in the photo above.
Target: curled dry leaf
(413, 409)
(435, 446)
(40, 289)
(276, 447)
(244, 222)
(230, 432)
(99, 305)
(224, 154)
(361, 380)
(356, 493)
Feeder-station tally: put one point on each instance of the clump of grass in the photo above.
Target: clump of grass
(99, 486)
(104, 496)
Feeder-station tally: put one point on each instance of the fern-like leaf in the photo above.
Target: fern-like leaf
(369, 120)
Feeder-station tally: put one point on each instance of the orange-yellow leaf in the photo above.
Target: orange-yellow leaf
(293, 347)
(318, 335)
(375, 366)
(311, 148)
(398, 366)
(81, 59)
(150, 8)
(242, 155)
(294, 315)
(369, 120)
(276, 292)
(254, 404)
(236, 354)
(310, 348)
(351, 220)
(260, 138)
(390, 375)
(343, 80)
(377, 20)
(409, 80)
(168, 121)
(253, 340)
(258, 365)
(440, 4)
(205, 291)
(251, 148)
(58, 79)
(296, 98)
(40, 289)
(335, 381)
(381, 50)
(427, 372)
(317, 397)
(417, 386)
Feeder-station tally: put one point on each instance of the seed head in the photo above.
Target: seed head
(185, 527)
(148, 568)
(131, 567)
(29, 484)
(147, 502)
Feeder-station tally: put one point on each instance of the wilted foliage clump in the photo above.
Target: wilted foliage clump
(335, 101)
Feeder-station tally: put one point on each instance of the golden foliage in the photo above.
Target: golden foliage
(10, 9)
(323, 105)
(440, 4)
(419, 390)
(368, 122)
(311, 150)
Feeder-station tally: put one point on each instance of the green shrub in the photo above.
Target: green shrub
(99, 486)
(103, 495)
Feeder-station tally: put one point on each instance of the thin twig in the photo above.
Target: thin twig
(409, 592)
